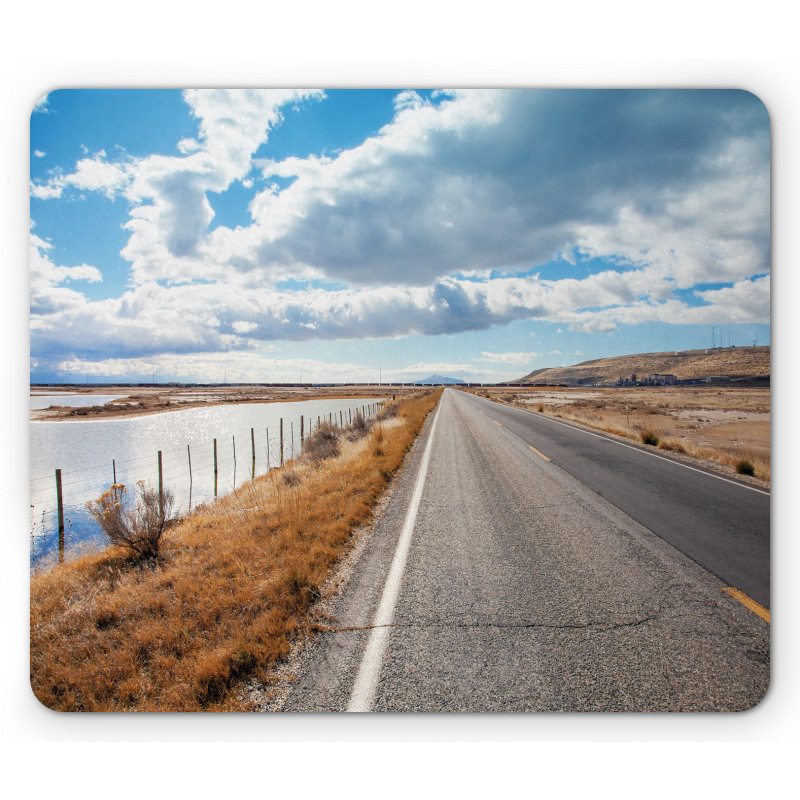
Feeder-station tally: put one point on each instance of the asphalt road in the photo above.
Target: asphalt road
(722, 524)
(498, 580)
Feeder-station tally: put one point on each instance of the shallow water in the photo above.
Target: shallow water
(40, 401)
(91, 454)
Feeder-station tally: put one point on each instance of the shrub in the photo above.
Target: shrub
(359, 428)
(323, 443)
(671, 444)
(388, 411)
(540, 407)
(507, 398)
(138, 527)
(649, 436)
(745, 467)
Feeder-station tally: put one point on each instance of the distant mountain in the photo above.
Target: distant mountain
(739, 363)
(436, 380)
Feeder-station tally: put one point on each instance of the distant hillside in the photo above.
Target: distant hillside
(736, 362)
(436, 380)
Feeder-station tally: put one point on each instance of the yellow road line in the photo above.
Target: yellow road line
(541, 455)
(749, 602)
(496, 422)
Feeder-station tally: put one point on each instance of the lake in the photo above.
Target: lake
(41, 400)
(90, 452)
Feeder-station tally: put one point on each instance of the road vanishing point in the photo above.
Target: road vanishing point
(524, 564)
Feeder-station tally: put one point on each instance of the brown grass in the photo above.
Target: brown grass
(230, 589)
(649, 436)
(656, 413)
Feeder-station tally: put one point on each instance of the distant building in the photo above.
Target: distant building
(719, 378)
(658, 379)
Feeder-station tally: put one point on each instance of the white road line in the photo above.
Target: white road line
(647, 452)
(370, 669)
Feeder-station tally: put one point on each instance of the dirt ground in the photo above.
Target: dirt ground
(142, 400)
(732, 420)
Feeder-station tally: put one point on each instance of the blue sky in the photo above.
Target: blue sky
(340, 235)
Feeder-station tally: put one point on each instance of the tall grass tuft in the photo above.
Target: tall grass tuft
(649, 436)
(745, 467)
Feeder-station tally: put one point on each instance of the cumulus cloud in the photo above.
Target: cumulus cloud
(48, 295)
(202, 318)
(170, 211)
(510, 180)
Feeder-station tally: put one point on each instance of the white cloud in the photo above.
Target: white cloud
(150, 318)
(170, 211)
(47, 294)
(41, 106)
(188, 145)
(508, 358)
(39, 154)
(480, 182)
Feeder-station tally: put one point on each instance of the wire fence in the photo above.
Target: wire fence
(195, 471)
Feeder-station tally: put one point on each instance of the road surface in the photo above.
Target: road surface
(523, 565)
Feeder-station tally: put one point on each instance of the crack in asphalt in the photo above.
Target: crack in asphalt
(520, 625)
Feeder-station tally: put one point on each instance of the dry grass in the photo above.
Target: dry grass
(230, 589)
(656, 415)
(649, 436)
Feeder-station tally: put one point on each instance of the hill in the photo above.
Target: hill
(739, 363)
(436, 380)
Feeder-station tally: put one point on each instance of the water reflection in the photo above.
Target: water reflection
(40, 401)
(92, 454)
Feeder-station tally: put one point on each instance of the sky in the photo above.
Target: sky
(370, 234)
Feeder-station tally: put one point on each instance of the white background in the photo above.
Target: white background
(622, 44)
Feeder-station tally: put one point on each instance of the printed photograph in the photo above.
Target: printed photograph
(399, 400)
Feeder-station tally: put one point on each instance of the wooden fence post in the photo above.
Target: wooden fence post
(281, 441)
(215, 467)
(189, 453)
(60, 518)
(253, 443)
(160, 492)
